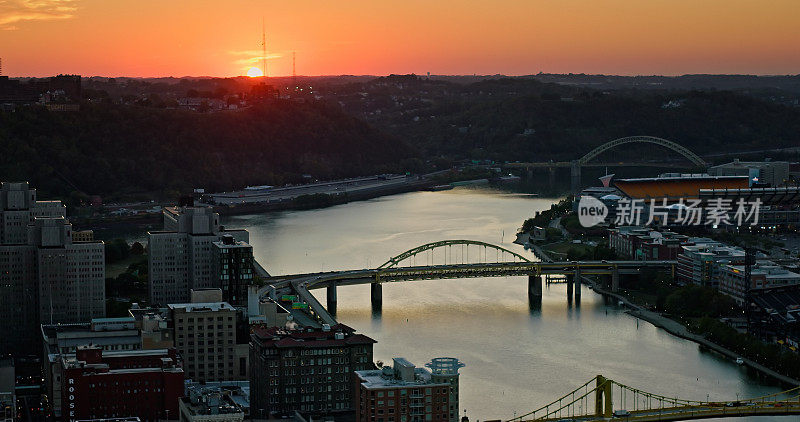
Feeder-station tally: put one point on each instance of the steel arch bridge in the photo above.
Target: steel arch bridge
(394, 261)
(689, 155)
(596, 400)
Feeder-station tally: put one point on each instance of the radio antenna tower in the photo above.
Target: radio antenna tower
(263, 47)
(294, 71)
(1, 66)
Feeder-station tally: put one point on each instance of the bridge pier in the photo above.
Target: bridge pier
(570, 281)
(577, 283)
(551, 176)
(376, 293)
(331, 290)
(575, 177)
(615, 280)
(535, 287)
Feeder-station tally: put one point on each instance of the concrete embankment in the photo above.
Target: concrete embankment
(336, 199)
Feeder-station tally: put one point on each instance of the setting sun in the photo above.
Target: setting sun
(254, 72)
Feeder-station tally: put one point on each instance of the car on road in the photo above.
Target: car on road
(621, 413)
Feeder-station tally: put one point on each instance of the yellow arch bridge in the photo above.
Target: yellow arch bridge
(449, 259)
(602, 399)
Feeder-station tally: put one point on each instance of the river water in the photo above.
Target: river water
(516, 359)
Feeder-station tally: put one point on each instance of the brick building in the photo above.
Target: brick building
(142, 383)
(310, 371)
(404, 393)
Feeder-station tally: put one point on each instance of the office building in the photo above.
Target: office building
(765, 173)
(180, 257)
(215, 402)
(205, 336)
(233, 268)
(405, 393)
(309, 371)
(141, 383)
(701, 260)
(71, 275)
(46, 275)
(764, 275)
(8, 397)
(641, 243)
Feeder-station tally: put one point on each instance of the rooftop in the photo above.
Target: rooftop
(337, 335)
(203, 307)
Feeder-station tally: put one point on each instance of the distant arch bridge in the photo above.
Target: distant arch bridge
(584, 161)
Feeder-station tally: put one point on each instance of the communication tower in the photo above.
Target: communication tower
(264, 47)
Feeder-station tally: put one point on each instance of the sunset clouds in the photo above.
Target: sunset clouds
(13, 12)
(512, 37)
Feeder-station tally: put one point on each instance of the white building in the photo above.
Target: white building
(180, 257)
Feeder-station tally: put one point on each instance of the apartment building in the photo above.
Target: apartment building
(309, 371)
(233, 267)
(404, 393)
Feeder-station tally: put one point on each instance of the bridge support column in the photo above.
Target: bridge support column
(575, 177)
(570, 281)
(551, 176)
(615, 280)
(331, 290)
(535, 286)
(376, 293)
(577, 283)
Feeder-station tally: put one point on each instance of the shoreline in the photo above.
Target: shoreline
(674, 327)
(679, 330)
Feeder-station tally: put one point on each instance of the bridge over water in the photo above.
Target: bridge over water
(450, 259)
(586, 161)
(603, 399)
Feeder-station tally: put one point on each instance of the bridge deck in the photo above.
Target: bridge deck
(778, 408)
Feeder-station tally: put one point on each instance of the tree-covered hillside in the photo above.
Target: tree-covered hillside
(106, 148)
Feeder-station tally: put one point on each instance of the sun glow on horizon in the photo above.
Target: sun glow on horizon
(254, 72)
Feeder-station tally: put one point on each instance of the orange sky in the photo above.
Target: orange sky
(513, 37)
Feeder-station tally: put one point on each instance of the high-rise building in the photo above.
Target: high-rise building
(405, 393)
(45, 275)
(309, 371)
(205, 336)
(233, 268)
(180, 257)
(71, 275)
(142, 383)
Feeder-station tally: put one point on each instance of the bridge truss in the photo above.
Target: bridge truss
(689, 155)
(595, 401)
(451, 255)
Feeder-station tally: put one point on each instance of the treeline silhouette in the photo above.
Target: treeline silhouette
(105, 148)
(526, 120)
